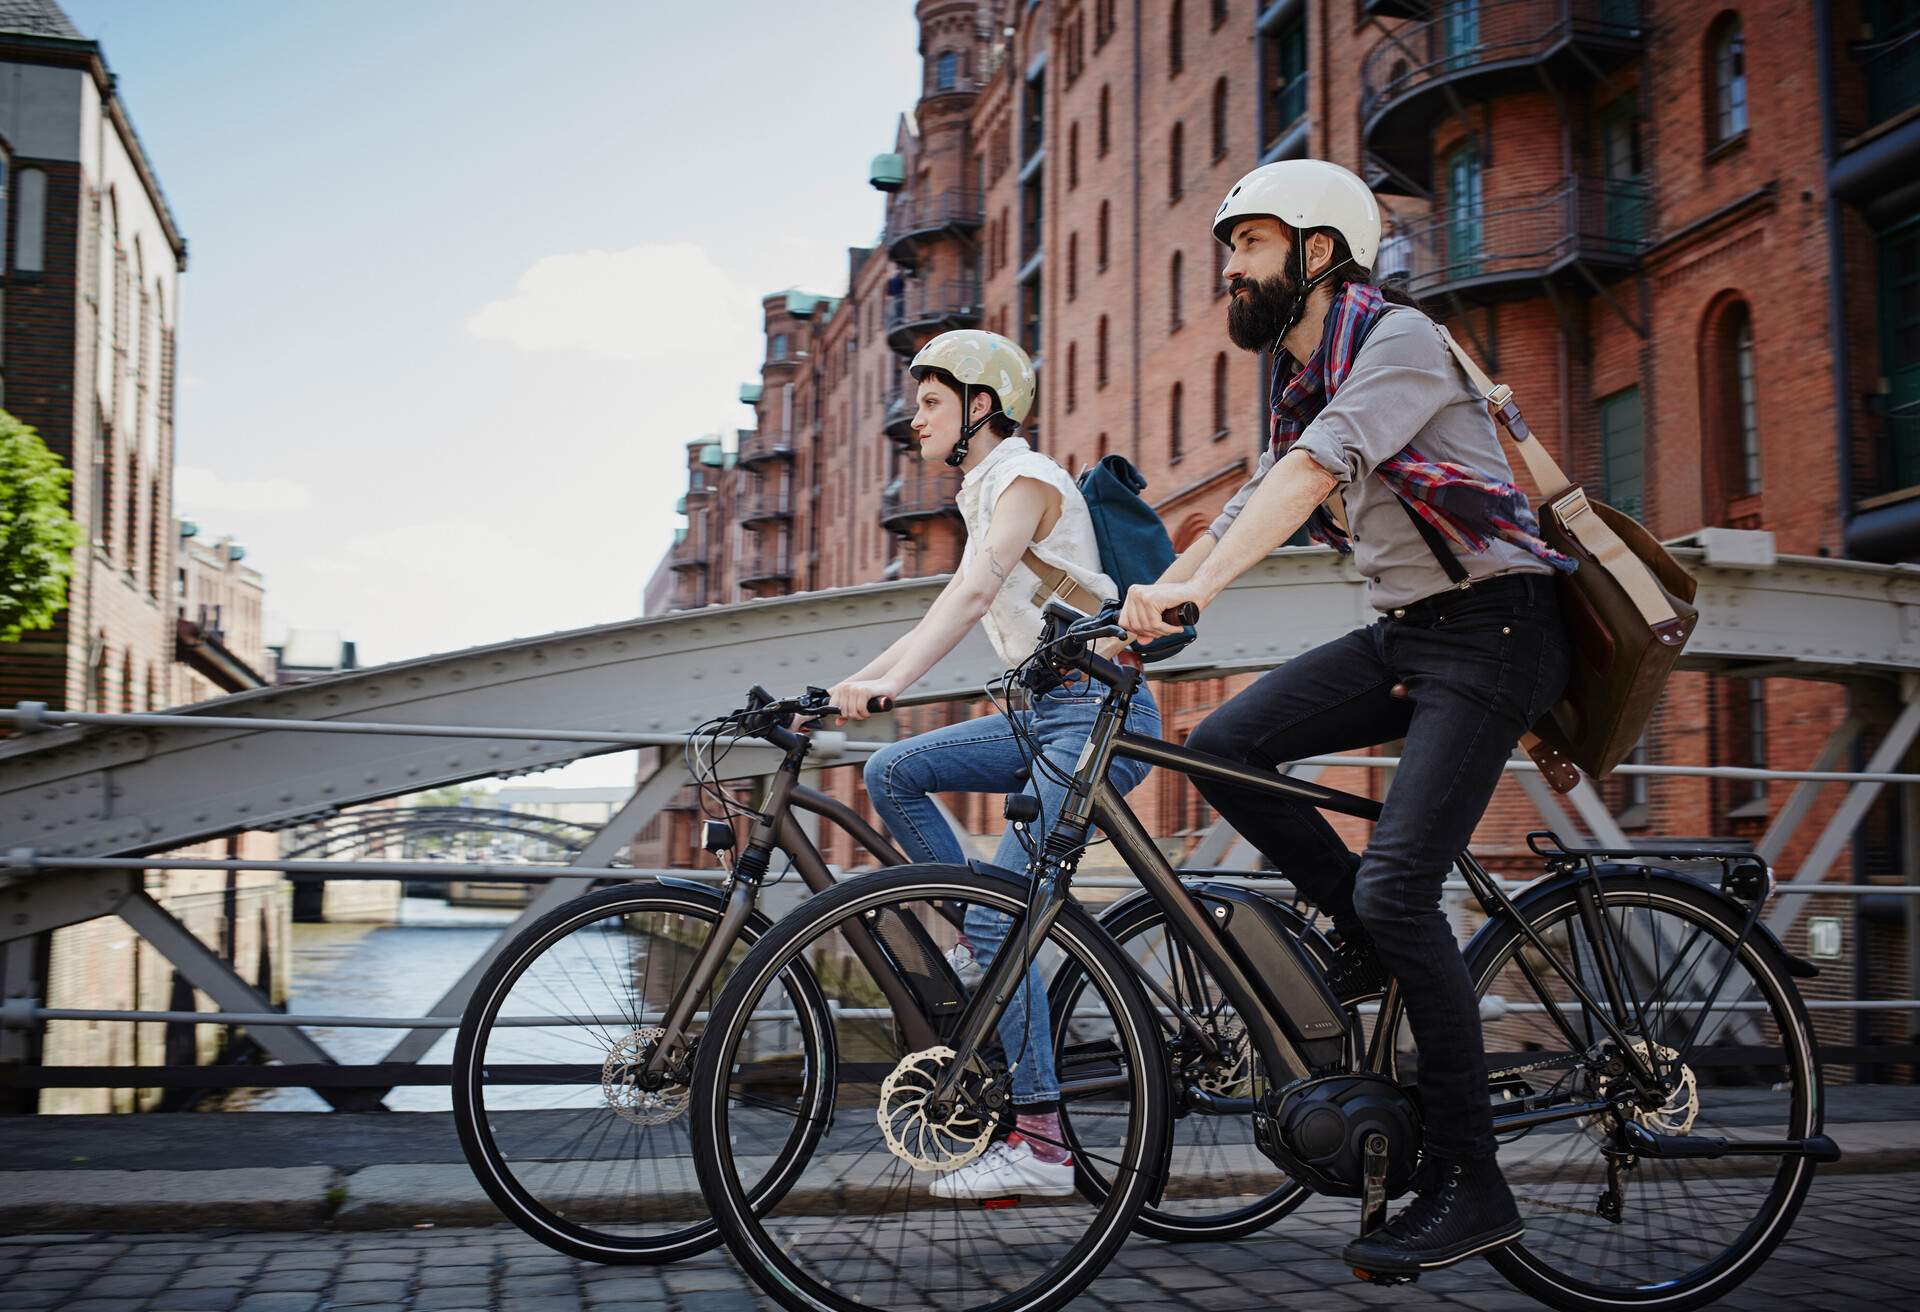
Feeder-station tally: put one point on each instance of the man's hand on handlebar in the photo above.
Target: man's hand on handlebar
(1151, 609)
(856, 699)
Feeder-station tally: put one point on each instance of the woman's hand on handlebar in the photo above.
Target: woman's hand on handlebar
(1147, 613)
(856, 699)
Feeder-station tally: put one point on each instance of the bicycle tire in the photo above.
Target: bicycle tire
(748, 1232)
(478, 1138)
(1526, 1268)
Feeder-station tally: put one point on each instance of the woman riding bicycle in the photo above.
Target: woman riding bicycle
(1375, 408)
(1029, 538)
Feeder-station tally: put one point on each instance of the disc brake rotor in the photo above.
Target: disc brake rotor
(620, 1081)
(1232, 1073)
(1673, 1116)
(917, 1138)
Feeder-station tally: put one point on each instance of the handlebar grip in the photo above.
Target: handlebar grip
(1185, 613)
(875, 705)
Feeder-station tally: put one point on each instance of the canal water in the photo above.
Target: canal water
(398, 969)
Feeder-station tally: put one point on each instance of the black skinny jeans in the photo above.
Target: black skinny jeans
(1480, 665)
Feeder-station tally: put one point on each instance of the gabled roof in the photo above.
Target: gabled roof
(37, 18)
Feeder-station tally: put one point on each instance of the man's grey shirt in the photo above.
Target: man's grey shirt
(1405, 388)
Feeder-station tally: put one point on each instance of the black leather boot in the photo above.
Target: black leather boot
(1466, 1208)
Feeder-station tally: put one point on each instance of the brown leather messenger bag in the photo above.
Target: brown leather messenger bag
(1628, 608)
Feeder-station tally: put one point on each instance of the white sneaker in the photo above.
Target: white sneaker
(1007, 1169)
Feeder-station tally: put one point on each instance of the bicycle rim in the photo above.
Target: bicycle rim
(558, 1129)
(861, 1227)
(1687, 1231)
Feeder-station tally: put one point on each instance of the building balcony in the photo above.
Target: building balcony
(1397, 8)
(1413, 76)
(688, 553)
(756, 446)
(897, 412)
(765, 503)
(919, 494)
(768, 560)
(1876, 154)
(689, 593)
(922, 310)
(914, 221)
(1577, 230)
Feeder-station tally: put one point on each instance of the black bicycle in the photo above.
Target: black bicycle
(1656, 1081)
(572, 1061)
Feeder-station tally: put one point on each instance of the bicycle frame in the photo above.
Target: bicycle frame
(1092, 801)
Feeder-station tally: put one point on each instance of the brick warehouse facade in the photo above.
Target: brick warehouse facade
(91, 258)
(1707, 301)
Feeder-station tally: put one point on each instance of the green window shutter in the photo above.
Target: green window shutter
(1900, 350)
(1623, 452)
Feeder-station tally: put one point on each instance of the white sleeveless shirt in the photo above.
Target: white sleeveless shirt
(1013, 621)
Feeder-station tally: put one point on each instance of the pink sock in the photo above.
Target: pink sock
(1040, 1131)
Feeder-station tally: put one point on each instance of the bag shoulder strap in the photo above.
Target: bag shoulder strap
(1540, 463)
(1570, 505)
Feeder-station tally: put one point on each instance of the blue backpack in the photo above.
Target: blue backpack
(1134, 546)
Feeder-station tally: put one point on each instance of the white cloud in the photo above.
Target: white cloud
(645, 303)
(202, 492)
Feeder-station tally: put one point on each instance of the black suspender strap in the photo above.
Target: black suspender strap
(1436, 543)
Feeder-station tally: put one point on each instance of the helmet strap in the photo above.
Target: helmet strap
(958, 456)
(1306, 285)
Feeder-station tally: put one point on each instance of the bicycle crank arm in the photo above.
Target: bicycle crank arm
(1639, 1139)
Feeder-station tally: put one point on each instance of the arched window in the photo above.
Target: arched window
(1073, 369)
(1730, 420)
(1106, 119)
(1100, 357)
(1100, 243)
(1219, 120)
(1175, 438)
(1176, 38)
(1726, 80)
(1073, 156)
(1220, 395)
(948, 71)
(1219, 13)
(1176, 163)
(1175, 268)
(1073, 265)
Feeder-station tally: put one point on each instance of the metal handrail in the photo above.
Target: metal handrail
(1606, 218)
(1463, 37)
(767, 562)
(758, 445)
(767, 502)
(922, 303)
(956, 207)
(913, 495)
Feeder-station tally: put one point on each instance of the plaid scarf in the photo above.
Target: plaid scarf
(1466, 506)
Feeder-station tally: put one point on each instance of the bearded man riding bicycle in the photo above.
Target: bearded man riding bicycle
(1380, 448)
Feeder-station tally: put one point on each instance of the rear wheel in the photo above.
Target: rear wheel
(1220, 1186)
(1726, 1024)
(862, 1226)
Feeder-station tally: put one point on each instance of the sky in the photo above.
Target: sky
(465, 278)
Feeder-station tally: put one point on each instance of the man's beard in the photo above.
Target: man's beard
(1256, 320)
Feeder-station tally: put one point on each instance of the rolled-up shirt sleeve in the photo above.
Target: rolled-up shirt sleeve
(1400, 379)
(1231, 511)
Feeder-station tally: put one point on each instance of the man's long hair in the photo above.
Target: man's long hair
(1393, 288)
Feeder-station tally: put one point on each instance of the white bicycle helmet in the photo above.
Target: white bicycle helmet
(1306, 193)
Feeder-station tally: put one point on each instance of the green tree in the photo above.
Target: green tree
(37, 535)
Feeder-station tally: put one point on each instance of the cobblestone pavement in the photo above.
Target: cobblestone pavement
(1857, 1243)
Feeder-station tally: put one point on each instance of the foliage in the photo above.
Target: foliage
(37, 534)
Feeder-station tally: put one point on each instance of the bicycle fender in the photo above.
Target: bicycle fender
(757, 919)
(1798, 967)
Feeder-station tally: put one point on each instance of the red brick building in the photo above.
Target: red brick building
(1687, 234)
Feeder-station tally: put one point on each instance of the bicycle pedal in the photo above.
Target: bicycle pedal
(997, 1204)
(1383, 1278)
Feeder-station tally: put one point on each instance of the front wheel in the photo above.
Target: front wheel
(569, 1137)
(876, 1219)
(1722, 1016)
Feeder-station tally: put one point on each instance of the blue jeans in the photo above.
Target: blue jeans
(1479, 666)
(982, 756)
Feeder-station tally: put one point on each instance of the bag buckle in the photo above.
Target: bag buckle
(1571, 504)
(1499, 396)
